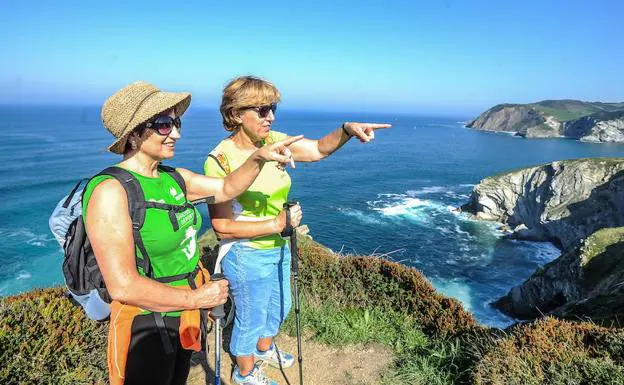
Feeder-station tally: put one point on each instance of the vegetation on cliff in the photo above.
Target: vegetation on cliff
(45, 339)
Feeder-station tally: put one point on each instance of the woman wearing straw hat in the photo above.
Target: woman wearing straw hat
(154, 316)
(255, 258)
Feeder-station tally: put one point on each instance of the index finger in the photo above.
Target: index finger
(376, 126)
(291, 140)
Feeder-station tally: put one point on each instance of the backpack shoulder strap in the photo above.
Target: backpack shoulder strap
(175, 175)
(136, 209)
(221, 160)
(131, 185)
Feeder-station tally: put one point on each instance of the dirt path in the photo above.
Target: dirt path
(323, 365)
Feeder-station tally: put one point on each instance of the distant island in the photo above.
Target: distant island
(573, 119)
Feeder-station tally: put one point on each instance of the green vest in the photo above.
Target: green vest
(171, 252)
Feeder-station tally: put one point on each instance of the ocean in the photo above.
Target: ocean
(392, 198)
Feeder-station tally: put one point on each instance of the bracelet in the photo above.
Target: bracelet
(345, 130)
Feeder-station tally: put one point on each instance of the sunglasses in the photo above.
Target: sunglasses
(263, 111)
(163, 125)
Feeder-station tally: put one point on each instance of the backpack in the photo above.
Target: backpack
(83, 277)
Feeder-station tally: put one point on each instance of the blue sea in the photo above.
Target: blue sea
(392, 197)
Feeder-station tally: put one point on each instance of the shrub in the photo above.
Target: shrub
(551, 351)
(44, 339)
(370, 282)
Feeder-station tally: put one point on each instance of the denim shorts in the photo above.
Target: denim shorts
(260, 285)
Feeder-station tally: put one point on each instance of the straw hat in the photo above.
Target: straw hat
(134, 105)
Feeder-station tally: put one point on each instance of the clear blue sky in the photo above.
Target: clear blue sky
(398, 56)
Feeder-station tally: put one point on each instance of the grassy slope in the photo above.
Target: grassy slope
(564, 110)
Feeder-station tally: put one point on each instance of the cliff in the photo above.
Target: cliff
(579, 205)
(587, 282)
(563, 202)
(586, 121)
(598, 127)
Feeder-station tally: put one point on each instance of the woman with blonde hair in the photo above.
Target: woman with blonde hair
(150, 267)
(254, 257)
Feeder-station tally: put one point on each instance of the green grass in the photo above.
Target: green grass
(563, 115)
(418, 358)
(332, 325)
(598, 242)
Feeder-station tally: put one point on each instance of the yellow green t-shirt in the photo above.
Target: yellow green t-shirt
(265, 198)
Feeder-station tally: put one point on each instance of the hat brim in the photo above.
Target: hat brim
(153, 106)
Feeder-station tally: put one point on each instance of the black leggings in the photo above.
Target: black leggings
(147, 362)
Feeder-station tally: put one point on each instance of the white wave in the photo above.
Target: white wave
(428, 190)
(443, 230)
(403, 207)
(455, 288)
(458, 230)
(26, 235)
(23, 275)
(361, 216)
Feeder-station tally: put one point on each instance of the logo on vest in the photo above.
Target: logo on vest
(176, 194)
(190, 243)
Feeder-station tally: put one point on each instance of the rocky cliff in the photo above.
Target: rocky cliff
(579, 205)
(599, 127)
(587, 121)
(584, 282)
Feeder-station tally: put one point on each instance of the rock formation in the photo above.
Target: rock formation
(577, 204)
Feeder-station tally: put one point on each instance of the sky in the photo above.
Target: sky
(421, 57)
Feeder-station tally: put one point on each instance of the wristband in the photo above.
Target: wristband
(345, 130)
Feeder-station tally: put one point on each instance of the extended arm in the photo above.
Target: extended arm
(310, 150)
(234, 184)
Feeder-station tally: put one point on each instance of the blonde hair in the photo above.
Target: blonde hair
(242, 92)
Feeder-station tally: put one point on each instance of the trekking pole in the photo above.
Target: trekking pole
(294, 252)
(217, 314)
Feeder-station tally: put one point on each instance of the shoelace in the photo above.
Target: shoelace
(277, 354)
(262, 378)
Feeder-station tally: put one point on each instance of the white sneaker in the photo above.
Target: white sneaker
(273, 356)
(255, 377)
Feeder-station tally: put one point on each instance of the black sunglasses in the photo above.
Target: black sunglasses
(163, 125)
(263, 111)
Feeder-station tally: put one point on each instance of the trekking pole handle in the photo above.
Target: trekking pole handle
(217, 312)
(288, 229)
(294, 252)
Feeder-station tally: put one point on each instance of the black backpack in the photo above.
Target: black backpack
(83, 277)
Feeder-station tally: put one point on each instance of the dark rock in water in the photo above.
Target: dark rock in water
(585, 282)
(577, 204)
